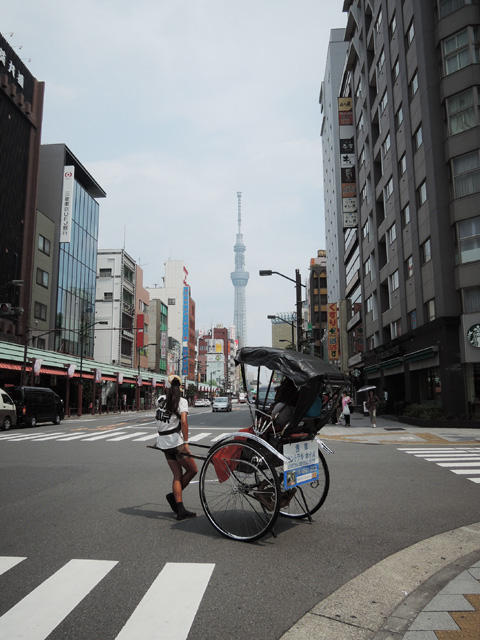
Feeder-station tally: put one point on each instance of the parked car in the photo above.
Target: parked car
(37, 404)
(222, 404)
(201, 402)
(8, 412)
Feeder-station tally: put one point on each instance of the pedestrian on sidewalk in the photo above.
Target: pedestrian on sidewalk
(172, 427)
(346, 401)
(372, 401)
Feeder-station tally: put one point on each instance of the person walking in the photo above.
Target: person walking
(371, 404)
(172, 427)
(346, 401)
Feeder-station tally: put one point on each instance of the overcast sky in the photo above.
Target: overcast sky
(174, 106)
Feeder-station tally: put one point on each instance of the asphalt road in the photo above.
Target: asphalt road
(84, 505)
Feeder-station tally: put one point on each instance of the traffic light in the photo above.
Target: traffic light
(6, 310)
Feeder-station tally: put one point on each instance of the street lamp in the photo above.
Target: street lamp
(298, 290)
(82, 340)
(286, 322)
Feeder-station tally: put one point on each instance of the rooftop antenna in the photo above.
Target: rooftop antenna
(124, 234)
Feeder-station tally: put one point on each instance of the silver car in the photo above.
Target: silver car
(8, 411)
(222, 404)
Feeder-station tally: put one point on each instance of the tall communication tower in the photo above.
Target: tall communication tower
(240, 279)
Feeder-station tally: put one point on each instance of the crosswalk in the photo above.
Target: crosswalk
(167, 610)
(121, 434)
(463, 461)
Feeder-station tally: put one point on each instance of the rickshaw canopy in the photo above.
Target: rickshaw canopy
(310, 374)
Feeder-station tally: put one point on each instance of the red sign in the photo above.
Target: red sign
(140, 330)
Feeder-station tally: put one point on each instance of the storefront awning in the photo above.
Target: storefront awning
(371, 369)
(390, 364)
(422, 354)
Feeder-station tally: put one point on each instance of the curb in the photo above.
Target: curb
(383, 600)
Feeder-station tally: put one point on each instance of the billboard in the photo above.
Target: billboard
(332, 332)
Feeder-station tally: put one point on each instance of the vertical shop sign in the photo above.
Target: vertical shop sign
(332, 332)
(67, 204)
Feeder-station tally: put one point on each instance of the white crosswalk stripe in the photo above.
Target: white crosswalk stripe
(167, 610)
(114, 435)
(463, 461)
(42, 610)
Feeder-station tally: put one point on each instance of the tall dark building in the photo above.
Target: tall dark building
(411, 78)
(21, 108)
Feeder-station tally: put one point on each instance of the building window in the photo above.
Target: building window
(466, 174)
(108, 296)
(409, 267)
(413, 86)
(461, 49)
(41, 343)
(44, 245)
(399, 117)
(449, 6)
(395, 329)
(422, 193)
(386, 145)
(388, 189)
(412, 320)
(369, 304)
(361, 158)
(409, 36)
(430, 310)
(383, 103)
(381, 61)
(396, 70)
(378, 22)
(171, 302)
(406, 215)
(426, 251)
(402, 165)
(392, 234)
(105, 273)
(393, 26)
(42, 278)
(366, 229)
(471, 300)
(363, 193)
(461, 112)
(468, 233)
(358, 92)
(40, 311)
(418, 138)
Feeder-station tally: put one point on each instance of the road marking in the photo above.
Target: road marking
(149, 437)
(103, 436)
(8, 563)
(169, 607)
(129, 435)
(199, 436)
(42, 610)
(222, 435)
(75, 437)
(463, 461)
(30, 436)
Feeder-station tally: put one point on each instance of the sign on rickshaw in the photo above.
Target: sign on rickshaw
(302, 465)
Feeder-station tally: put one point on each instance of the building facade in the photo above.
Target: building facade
(21, 110)
(66, 240)
(115, 305)
(410, 76)
(317, 294)
(176, 294)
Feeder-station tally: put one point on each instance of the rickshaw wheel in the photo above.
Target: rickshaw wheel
(309, 497)
(239, 490)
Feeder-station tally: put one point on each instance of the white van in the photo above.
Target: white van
(8, 411)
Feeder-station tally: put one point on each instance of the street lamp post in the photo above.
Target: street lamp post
(298, 291)
(80, 385)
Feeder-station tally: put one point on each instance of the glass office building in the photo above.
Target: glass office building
(77, 277)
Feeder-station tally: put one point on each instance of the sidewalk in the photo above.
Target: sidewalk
(429, 591)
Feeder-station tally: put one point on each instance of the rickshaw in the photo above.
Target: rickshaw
(250, 478)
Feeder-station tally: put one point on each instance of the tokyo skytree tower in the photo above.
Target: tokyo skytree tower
(240, 279)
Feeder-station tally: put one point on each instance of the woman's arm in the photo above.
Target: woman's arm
(184, 425)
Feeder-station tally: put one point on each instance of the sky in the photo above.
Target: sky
(174, 106)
